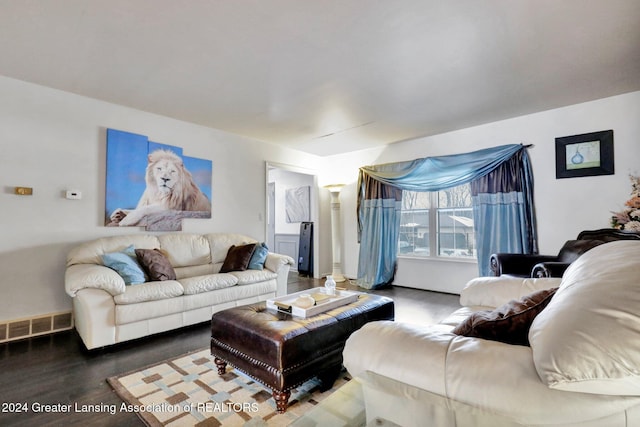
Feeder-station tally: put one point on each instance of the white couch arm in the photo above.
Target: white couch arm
(495, 291)
(275, 261)
(81, 276)
(412, 354)
(280, 264)
(95, 317)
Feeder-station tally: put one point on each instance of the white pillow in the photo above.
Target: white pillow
(588, 338)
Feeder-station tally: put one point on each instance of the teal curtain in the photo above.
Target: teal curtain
(380, 195)
(379, 212)
(503, 211)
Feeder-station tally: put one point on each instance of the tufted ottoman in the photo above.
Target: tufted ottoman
(282, 351)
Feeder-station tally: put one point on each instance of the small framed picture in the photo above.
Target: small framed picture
(588, 154)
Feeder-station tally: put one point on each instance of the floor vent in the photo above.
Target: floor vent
(41, 325)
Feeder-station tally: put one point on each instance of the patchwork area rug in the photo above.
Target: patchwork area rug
(187, 391)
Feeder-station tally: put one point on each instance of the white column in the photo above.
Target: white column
(336, 232)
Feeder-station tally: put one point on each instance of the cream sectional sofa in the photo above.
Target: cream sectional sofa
(106, 311)
(582, 368)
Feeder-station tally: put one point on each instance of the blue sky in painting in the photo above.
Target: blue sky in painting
(201, 170)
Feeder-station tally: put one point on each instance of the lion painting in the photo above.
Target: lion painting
(169, 187)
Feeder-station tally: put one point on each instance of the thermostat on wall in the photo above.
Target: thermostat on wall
(74, 194)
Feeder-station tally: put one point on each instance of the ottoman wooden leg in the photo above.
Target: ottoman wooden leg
(282, 399)
(221, 364)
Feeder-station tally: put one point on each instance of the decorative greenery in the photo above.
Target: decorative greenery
(629, 218)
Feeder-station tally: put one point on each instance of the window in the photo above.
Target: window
(414, 224)
(442, 220)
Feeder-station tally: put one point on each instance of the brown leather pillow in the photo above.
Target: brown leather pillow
(155, 264)
(238, 258)
(508, 323)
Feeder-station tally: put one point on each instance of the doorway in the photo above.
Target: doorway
(292, 198)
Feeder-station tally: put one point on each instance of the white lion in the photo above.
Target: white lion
(169, 187)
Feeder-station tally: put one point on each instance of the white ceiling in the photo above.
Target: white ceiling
(327, 76)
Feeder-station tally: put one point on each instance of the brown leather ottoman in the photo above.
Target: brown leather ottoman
(282, 351)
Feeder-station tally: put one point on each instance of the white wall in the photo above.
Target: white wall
(564, 207)
(53, 141)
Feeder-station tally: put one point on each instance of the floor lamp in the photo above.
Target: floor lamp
(336, 235)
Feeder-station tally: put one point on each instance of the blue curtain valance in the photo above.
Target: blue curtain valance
(441, 172)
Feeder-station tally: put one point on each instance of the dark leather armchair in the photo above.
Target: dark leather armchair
(526, 265)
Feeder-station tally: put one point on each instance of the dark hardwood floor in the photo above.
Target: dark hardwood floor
(57, 370)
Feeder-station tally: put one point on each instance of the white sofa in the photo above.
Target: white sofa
(582, 367)
(107, 312)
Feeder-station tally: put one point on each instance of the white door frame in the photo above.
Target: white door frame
(314, 209)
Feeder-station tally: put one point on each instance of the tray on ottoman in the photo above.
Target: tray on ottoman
(282, 351)
(324, 301)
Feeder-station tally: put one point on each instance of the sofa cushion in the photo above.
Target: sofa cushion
(221, 242)
(126, 265)
(508, 323)
(147, 316)
(184, 249)
(150, 291)
(193, 271)
(248, 277)
(588, 338)
(259, 257)
(156, 264)
(238, 258)
(91, 252)
(232, 296)
(206, 283)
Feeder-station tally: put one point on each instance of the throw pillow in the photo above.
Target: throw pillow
(126, 265)
(259, 257)
(586, 340)
(238, 258)
(156, 264)
(508, 323)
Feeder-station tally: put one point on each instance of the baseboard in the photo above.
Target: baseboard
(17, 329)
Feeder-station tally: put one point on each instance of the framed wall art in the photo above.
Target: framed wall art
(588, 154)
(297, 205)
(153, 185)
